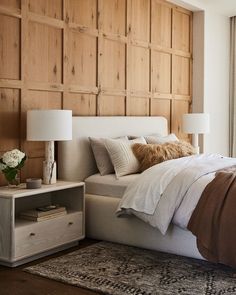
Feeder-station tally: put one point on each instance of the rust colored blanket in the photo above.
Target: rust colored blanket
(213, 221)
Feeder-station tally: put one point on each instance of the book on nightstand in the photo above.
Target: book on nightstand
(44, 213)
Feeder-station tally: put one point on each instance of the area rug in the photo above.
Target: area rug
(121, 270)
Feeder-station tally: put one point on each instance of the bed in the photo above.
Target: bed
(76, 162)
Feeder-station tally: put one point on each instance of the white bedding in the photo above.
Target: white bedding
(171, 190)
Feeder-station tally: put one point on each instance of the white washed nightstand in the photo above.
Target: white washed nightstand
(22, 240)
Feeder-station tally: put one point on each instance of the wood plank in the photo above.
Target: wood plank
(83, 12)
(10, 47)
(57, 87)
(9, 119)
(82, 60)
(161, 107)
(11, 3)
(77, 28)
(10, 11)
(111, 105)
(139, 69)
(181, 31)
(81, 104)
(113, 65)
(140, 20)
(160, 24)
(45, 52)
(46, 20)
(33, 168)
(50, 8)
(179, 108)
(8, 83)
(114, 17)
(161, 72)
(82, 89)
(180, 75)
(138, 106)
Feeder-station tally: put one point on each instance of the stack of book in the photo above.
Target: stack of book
(43, 213)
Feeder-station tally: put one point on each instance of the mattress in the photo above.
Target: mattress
(108, 185)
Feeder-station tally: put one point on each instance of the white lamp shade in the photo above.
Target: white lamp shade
(48, 125)
(196, 123)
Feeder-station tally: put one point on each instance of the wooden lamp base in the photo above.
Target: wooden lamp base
(49, 165)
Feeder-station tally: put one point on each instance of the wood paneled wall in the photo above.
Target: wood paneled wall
(96, 57)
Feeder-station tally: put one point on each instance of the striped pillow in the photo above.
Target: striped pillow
(122, 157)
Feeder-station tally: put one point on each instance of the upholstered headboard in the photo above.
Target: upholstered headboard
(75, 157)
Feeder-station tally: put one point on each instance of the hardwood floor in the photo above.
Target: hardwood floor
(14, 281)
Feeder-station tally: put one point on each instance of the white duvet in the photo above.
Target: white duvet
(170, 191)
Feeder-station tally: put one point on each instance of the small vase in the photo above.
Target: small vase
(13, 182)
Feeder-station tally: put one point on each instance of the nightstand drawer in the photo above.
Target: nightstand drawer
(41, 236)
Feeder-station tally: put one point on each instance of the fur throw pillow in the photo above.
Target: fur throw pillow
(151, 154)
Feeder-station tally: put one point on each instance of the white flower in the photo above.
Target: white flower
(13, 158)
(2, 166)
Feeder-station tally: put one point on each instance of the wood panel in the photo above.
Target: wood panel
(161, 24)
(180, 75)
(9, 119)
(95, 57)
(82, 104)
(81, 68)
(161, 72)
(83, 12)
(9, 47)
(114, 16)
(10, 3)
(181, 31)
(139, 69)
(51, 8)
(45, 52)
(114, 70)
(111, 105)
(140, 20)
(138, 106)
(179, 107)
(161, 107)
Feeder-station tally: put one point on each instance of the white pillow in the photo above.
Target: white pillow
(161, 139)
(122, 157)
(101, 155)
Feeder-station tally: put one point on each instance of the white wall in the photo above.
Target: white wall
(211, 42)
(216, 81)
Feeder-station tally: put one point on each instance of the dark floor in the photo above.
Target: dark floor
(14, 281)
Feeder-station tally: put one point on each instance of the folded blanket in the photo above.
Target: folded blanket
(171, 190)
(213, 221)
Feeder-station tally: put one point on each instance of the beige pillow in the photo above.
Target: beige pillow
(152, 154)
(122, 157)
(101, 155)
(161, 139)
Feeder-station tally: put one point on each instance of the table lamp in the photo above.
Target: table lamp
(195, 124)
(48, 126)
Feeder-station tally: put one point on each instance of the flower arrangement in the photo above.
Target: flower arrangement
(10, 163)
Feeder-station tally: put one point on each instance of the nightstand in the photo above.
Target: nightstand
(21, 240)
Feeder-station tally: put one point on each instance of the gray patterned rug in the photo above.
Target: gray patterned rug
(120, 270)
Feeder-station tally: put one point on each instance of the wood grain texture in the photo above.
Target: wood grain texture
(96, 57)
(51, 8)
(9, 47)
(6, 227)
(10, 115)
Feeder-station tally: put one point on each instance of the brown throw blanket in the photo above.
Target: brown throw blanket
(213, 221)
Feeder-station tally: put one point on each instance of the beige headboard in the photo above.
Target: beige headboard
(75, 158)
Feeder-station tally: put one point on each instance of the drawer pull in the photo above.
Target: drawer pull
(70, 223)
(32, 234)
